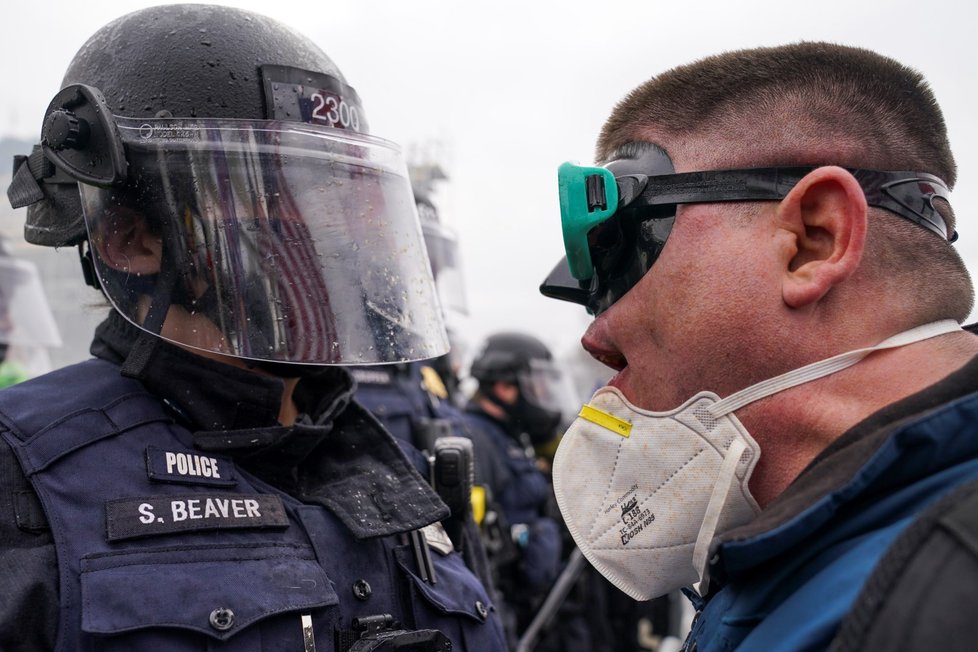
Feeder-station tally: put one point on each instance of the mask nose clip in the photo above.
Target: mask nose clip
(81, 138)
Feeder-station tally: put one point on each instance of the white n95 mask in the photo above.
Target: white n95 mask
(644, 493)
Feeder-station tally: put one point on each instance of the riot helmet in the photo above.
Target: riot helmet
(545, 393)
(441, 243)
(217, 170)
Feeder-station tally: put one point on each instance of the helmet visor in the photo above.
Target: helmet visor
(266, 240)
(446, 265)
(544, 385)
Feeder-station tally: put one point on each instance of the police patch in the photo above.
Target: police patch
(436, 537)
(186, 467)
(130, 518)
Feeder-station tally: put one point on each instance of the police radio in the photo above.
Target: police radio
(426, 431)
(453, 474)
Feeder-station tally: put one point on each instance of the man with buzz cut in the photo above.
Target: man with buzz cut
(767, 250)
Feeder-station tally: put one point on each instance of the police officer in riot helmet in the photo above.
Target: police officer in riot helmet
(521, 387)
(407, 397)
(441, 243)
(518, 405)
(207, 480)
(412, 400)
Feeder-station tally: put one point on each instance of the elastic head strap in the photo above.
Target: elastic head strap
(826, 367)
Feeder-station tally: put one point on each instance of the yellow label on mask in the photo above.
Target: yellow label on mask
(605, 420)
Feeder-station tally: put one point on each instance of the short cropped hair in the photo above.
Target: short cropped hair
(815, 104)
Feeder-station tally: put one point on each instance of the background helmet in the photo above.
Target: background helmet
(286, 232)
(546, 395)
(441, 243)
(506, 356)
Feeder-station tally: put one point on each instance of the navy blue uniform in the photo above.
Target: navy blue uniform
(522, 492)
(396, 395)
(527, 542)
(168, 510)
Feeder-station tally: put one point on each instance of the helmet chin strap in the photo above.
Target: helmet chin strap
(161, 299)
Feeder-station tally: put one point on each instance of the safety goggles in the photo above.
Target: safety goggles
(616, 219)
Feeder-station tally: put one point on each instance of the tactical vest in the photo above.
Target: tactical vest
(162, 547)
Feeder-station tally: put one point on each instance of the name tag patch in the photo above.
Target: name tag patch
(130, 518)
(187, 467)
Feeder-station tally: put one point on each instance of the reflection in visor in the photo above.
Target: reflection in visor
(282, 243)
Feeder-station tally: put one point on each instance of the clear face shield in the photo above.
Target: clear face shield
(545, 386)
(266, 240)
(441, 243)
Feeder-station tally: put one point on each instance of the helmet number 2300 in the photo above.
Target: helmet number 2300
(336, 111)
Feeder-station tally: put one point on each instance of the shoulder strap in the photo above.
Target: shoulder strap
(906, 581)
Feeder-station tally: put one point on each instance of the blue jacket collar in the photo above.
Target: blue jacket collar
(914, 432)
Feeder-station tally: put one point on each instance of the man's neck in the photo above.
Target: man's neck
(289, 411)
(794, 426)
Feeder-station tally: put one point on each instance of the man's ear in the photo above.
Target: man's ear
(826, 214)
(125, 243)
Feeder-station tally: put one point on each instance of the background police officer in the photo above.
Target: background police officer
(204, 481)
(518, 405)
(413, 399)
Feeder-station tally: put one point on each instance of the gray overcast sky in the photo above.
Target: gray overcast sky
(512, 89)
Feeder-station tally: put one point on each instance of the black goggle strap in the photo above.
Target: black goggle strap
(908, 194)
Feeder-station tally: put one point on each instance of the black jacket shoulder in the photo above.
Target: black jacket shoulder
(923, 593)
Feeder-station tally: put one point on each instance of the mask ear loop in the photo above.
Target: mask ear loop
(828, 366)
(711, 520)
